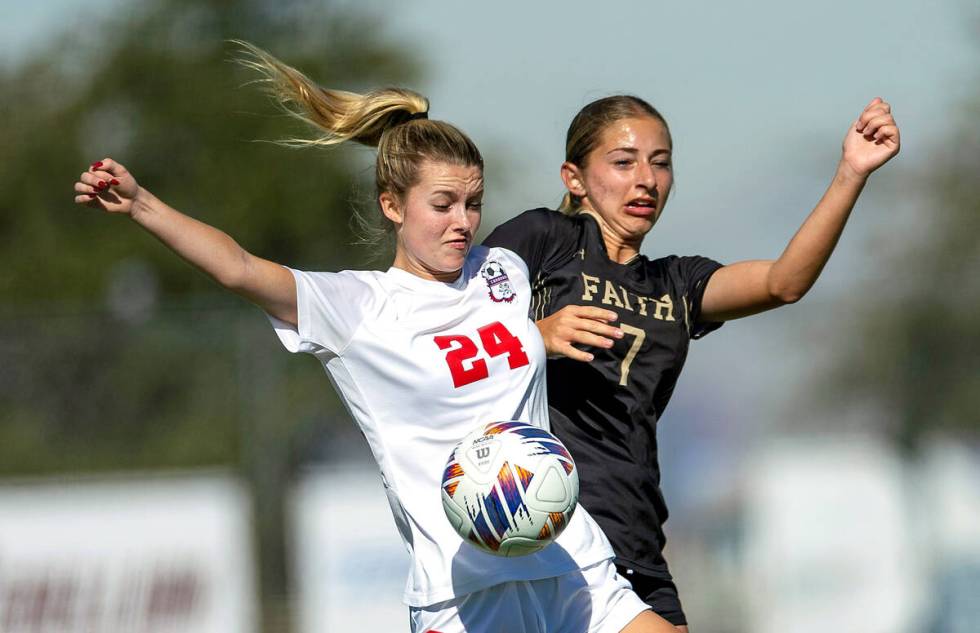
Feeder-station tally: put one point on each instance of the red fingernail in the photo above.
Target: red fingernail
(91, 195)
(97, 164)
(113, 182)
(102, 184)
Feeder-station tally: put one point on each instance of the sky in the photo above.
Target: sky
(758, 96)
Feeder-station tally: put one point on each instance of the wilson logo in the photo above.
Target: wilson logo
(483, 453)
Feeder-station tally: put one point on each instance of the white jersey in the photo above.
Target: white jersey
(418, 364)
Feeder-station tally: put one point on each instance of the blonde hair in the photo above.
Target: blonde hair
(394, 120)
(589, 124)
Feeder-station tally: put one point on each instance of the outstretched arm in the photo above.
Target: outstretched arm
(750, 287)
(108, 186)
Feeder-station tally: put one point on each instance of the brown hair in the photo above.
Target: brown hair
(589, 124)
(393, 120)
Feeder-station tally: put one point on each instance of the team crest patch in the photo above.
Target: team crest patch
(497, 281)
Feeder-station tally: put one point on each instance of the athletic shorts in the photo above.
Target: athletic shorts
(591, 600)
(659, 593)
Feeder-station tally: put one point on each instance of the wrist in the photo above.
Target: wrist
(142, 205)
(848, 176)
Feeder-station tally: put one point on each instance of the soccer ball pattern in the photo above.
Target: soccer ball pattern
(509, 488)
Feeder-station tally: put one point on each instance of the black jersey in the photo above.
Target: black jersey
(606, 411)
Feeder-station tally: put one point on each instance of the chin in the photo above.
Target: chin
(455, 262)
(642, 225)
(448, 267)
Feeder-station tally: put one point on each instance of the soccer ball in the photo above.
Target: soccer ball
(509, 488)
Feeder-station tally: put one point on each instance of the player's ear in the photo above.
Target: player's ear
(391, 207)
(571, 175)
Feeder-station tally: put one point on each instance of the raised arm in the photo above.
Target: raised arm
(750, 287)
(108, 186)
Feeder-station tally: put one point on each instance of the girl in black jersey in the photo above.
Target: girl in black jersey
(588, 274)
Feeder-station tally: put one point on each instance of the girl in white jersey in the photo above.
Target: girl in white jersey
(420, 354)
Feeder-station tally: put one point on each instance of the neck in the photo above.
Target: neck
(618, 249)
(420, 270)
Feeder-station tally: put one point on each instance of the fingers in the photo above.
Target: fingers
(590, 340)
(88, 195)
(88, 201)
(587, 325)
(878, 102)
(106, 173)
(91, 185)
(873, 111)
(598, 314)
(592, 332)
(108, 167)
(99, 180)
(83, 188)
(578, 326)
(880, 128)
(872, 128)
(882, 134)
(589, 312)
(887, 134)
(576, 354)
(584, 333)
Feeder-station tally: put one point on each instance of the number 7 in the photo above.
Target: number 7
(624, 367)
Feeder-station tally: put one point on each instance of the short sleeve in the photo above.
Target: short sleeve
(530, 235)
(329, 307)
(693, 274)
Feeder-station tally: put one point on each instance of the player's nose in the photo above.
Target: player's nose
(462, 221)
(645, 176)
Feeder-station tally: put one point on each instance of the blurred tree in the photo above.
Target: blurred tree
(113, 352)
(156, 91)
(916, 354)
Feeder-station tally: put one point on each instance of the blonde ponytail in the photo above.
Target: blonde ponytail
(394, 120)
(337, 114)
(570, 204)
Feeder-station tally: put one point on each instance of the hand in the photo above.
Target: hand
(107, 186)
(872, 140)
(582, 325)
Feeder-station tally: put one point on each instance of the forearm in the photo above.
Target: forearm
(109, 186)
(750, 287)
(211, 250)
(796, 270)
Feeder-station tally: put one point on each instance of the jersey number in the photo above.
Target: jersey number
(624, 367)
(462, 358)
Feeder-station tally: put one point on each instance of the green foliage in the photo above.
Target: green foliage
(83, 387)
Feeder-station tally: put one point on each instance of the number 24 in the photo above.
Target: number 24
(496, 340)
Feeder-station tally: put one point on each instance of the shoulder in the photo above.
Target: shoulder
(353, 278)
(683, 270)
(540, 224)
(331, 306)
(482, 256)
(353, 286)
(540, 218)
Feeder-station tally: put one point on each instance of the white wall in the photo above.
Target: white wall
(135, 555)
